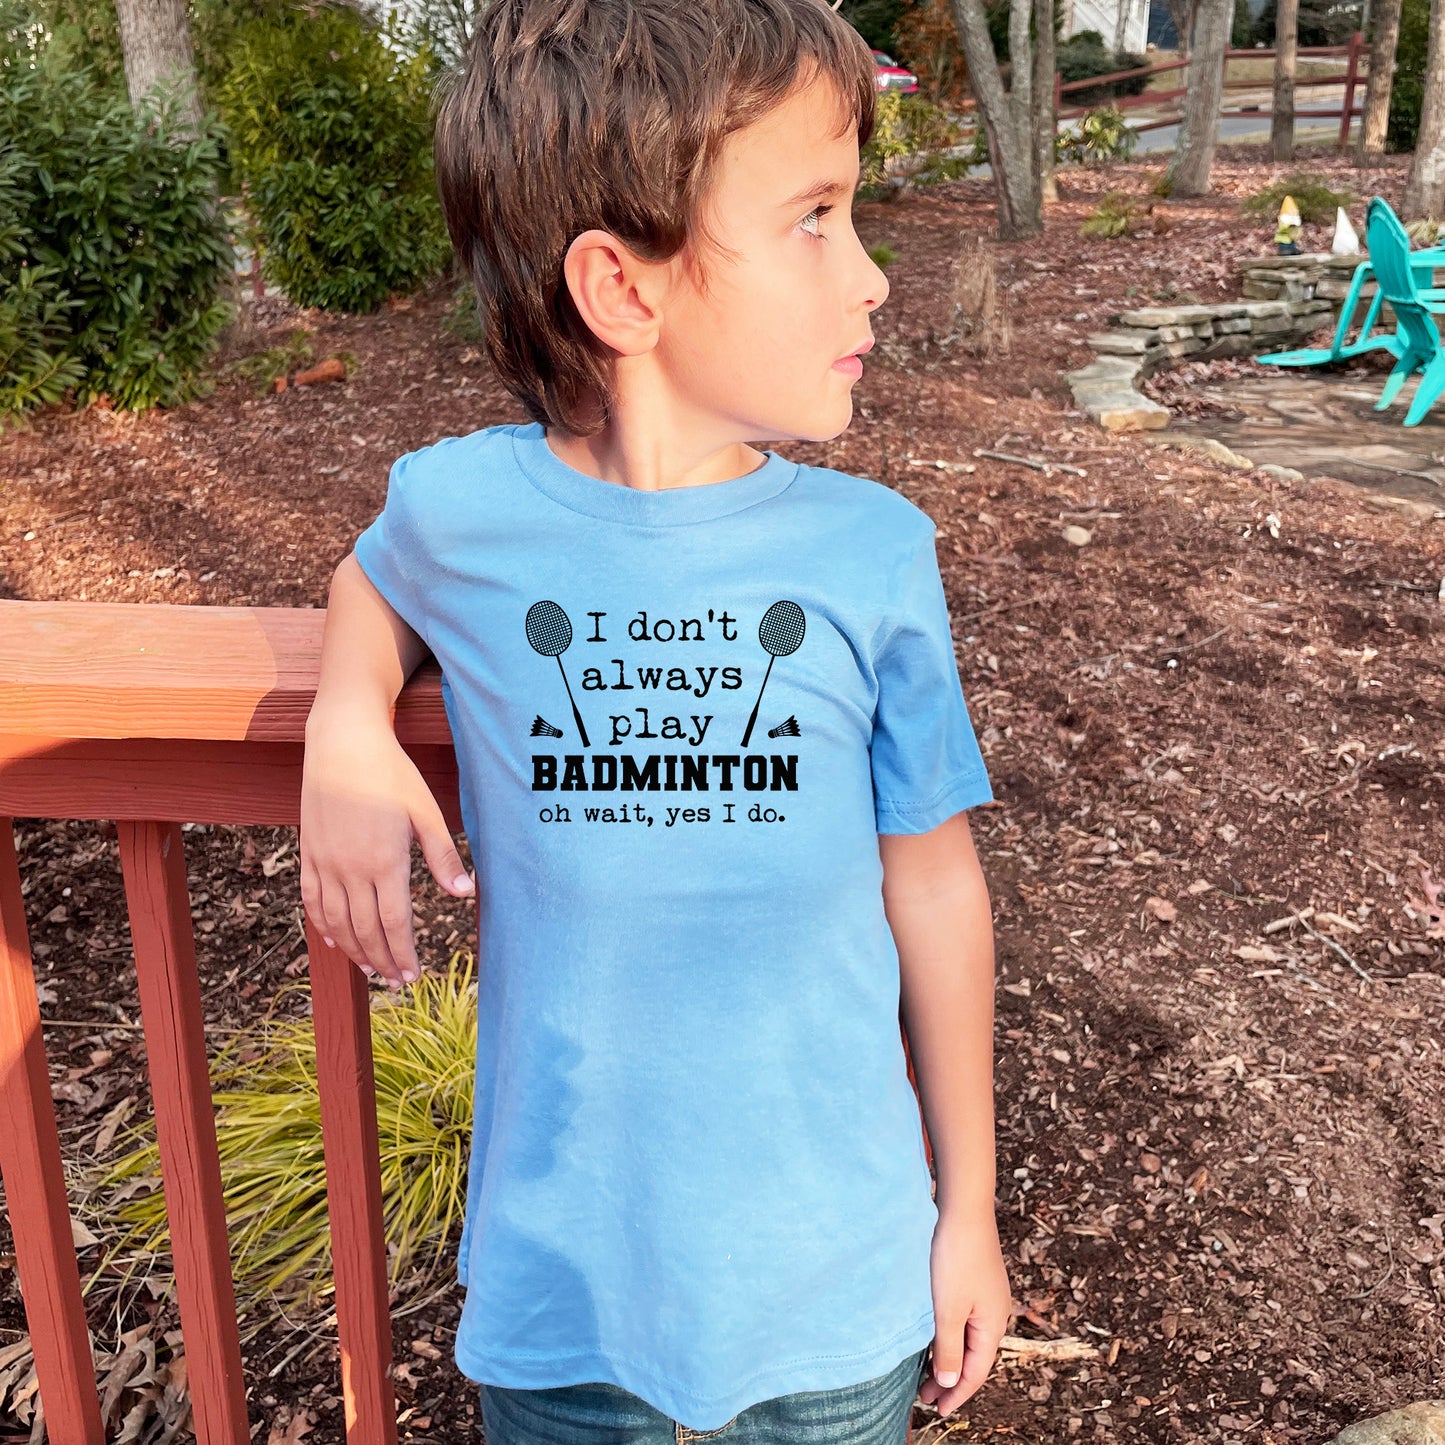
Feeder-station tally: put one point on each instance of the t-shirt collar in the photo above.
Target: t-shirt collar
(614, 502)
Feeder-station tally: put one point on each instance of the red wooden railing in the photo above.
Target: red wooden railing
(1350, 76)
(151, 715)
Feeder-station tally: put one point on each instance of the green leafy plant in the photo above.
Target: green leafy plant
(1316, 199)
(462, 318)
(1162, 185)
(1096, 138)
(910, 145)
(268, 1132)
(1407, 91)
(1113, 217)
(263, 367)
(115, 252)
(883, 254)
(333, 138)
(1425, 232)
(1084, 55)
(35, 364)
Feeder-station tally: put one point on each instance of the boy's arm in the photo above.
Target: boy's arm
(362, 797)
(367, 651)
(938, 909)
(937, 905)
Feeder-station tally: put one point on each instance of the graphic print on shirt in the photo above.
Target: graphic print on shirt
(549, 632)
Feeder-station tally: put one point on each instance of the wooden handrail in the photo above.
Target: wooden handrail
(151, 715)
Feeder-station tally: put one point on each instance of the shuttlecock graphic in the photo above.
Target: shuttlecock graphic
(541, 728)
(788, 729)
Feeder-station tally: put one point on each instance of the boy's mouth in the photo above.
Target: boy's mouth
(852, 363)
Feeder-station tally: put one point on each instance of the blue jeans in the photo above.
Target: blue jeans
(874, 1412)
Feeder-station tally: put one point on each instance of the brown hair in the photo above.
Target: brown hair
(573, 114)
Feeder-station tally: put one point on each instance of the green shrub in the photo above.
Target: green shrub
(1241, 31)
(996, 13)
(334, 139)
(1320, 22)
(1316, 200)
(1097, 137)
(115, 252)
(261, 368)
(1427, 231)
(913, 132)
(1113, 217)
(882, 254)
(463, 318)
(35, 364)
(1084, 55)
(1407, 93)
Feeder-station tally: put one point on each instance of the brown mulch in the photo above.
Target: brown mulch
(1220, 1153)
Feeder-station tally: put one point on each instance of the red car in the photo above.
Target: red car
(892, 76)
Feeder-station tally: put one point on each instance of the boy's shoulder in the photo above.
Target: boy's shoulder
(861, 501)
(449, 453)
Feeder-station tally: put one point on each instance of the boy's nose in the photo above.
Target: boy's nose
(878, 287)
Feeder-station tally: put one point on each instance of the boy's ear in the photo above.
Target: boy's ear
(615, 291)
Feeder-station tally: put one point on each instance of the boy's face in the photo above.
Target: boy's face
(759, 354)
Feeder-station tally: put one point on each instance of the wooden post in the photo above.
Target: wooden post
(35, 1185)
(158, 901)
(1347, 107)
(346, 1082)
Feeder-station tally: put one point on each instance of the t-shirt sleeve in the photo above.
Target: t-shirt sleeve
(925, 758)
(393, 552)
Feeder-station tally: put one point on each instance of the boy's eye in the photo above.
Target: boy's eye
(815, 215)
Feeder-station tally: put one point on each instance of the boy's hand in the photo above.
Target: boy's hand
(362, 801)
(971, 1305)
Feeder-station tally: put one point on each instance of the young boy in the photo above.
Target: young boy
(713, 755)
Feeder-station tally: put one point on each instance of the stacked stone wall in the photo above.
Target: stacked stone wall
(1286, 300)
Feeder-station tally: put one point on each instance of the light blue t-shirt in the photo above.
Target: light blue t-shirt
(681, 720)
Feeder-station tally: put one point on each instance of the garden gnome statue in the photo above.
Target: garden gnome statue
(1286, 236)
(1347, 239)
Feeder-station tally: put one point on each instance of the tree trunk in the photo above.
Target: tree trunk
(1189, 170)
(1045, 122)
(1121, 26)
(1182, 13)
(1425, 190)
(1286, 45)
(1376, 119)
(1021, 72)
(155, 36)
(1010, 151)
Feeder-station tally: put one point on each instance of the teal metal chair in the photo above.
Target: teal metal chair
(1367, 339)
(1419, 337)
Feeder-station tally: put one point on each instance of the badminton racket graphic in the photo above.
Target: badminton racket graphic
(781, 633)
(549, 630)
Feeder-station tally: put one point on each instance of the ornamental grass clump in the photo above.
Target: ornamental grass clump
(1316, 199)
(273, 1172)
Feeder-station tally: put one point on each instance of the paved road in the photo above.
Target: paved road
(1235, 127)
(1231, 127)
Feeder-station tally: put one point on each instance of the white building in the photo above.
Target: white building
(1124, 24)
